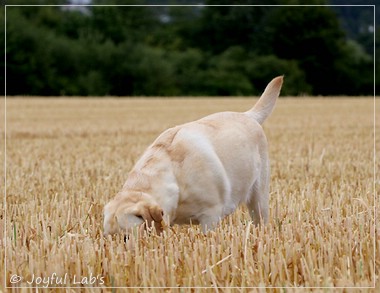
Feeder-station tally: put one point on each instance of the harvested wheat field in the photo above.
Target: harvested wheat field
(66, 158)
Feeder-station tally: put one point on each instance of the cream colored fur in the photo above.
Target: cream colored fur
(199, 172)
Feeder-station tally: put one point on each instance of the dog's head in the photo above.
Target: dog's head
(130, 209)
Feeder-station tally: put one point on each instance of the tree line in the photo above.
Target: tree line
(184, 50)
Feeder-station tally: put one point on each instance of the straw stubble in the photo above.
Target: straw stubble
(67, 157)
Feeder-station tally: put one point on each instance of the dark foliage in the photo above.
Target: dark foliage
(196, 50)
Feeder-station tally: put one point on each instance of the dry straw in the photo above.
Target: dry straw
(67, 157)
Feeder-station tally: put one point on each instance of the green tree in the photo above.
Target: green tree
(2, 32)
(123, 23)
(189, 72)
(181, 50)
(225, 75)
(221, 27)
(260, 69)
(312, 36)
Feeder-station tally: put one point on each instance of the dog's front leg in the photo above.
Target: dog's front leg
(209, 222)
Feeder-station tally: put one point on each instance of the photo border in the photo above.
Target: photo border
(185, 287)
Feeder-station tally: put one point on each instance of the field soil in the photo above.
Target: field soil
(67, 157)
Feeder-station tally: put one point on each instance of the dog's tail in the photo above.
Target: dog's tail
(264, 106)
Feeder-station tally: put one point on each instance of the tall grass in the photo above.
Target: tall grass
(67, 157)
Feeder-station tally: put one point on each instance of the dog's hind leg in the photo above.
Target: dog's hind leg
(258, 202)
(258, 206)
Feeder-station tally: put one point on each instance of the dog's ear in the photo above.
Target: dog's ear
(156, 213)
(153, 214)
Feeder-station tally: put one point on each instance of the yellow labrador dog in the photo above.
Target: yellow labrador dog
(199, 172)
